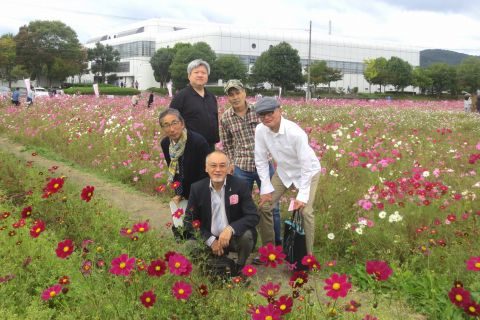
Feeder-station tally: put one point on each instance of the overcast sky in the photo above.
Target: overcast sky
(425, 24)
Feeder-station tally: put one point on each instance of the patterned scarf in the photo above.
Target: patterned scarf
(176, 151)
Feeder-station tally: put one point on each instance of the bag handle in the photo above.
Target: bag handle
(297, 219)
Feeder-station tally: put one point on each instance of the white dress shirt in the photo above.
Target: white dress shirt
(219, 215)
(296, 160)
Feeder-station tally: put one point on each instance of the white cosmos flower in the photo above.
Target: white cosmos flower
(359, 230)
(426, 174)
(382, 214)
(331, 236)
(347, 226)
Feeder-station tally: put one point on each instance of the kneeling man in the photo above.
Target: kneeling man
(224, 206)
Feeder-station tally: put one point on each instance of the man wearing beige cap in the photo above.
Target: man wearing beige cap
(237, 133)
(297, 166)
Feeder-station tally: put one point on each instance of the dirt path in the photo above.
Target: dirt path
(138, 206)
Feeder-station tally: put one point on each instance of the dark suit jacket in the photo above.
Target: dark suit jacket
(241, 216)
(196, 150)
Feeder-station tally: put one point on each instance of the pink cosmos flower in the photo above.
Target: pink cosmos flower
(271, 255)
(178, 213)
(269, 290)
(122, 265)
(284, 304)
(249, 270)
(380, 269)
(473, 264)
(51, 292)
(269, 312)
(141, 227)
(179, 265)
(181, 290)
(311, 262)
(337, 286)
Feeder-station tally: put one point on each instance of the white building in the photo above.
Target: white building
(138, 42)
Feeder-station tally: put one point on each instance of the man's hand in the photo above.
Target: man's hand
(298, 205)
(267, 197)
(176, 199)
(216, 248)
(225, 236)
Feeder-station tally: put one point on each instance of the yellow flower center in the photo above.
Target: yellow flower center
(53, 294)
(38, 230)
(300, 280)
(55, 186)
(157, 268)
(472, 309)
(177, 264)
(272, 257)
(122, 265)
(141, 229)
(283, 307)
(270, 292)
(129, 231)
(89, 194)
(148, 300)
(66, 248)
(250, 270)
(458, 297)
(86, 267)
(477, 265)
(181, 291)
(336, 286)
(268, 318)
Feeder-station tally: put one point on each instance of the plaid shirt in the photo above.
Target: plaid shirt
(238, 137)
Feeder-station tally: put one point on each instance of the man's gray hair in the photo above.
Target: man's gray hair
(171, 111)
(197, 63)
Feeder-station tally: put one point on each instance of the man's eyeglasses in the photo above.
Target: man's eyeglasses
(168, 125)
(266, 114)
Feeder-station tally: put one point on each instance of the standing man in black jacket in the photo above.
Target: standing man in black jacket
(224, 207)
(197, 105)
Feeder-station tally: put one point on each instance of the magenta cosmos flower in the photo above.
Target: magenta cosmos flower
(269, 312)
(380, 269)
(37, 228)
(181, 290)
(271, 255)
(459, 296)
(179, 265)
(64, 248)
(311, 262)
(284, 304)
(141, 227)
(269, 290)
(249, 270)
(87, 193)
(122, 265)
(337, 286)
(473, 264)
(157, 268)
(51, 292)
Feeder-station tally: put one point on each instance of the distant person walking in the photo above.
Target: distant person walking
(150, 100)
(478, 103)
(30, 96)
(16, 97)
(467, 103)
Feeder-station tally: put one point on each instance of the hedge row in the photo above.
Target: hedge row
(104, 90)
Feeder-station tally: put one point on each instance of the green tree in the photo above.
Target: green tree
(41, 45)
(184, 55)
(399, 73)
(7, 58)
(230, 67)
(443, 77)
(333, 75)
(375, 72)
(468, 73)
(161, 61)
(421, 79)
(279, 65)
(318, 71)
(105, 59)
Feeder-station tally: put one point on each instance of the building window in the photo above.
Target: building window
(136, 49)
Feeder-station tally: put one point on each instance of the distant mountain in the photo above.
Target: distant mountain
(429, 56)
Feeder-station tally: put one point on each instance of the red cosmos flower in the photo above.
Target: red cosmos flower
(331, 263)
(141, 265)
(451, 217)
(179, 265)
(26, 212)
(237, 280)
(311, 262)
(352, 306)
(471, 308)
(202, 289)
(86, 268)
(369, 317)
(64, 248)
(284, 304)
(298, 279)
(459, 296)
(5, 215)
(178, 213)
(196, 224)
(269, 312)
(181, 290)
(380, 269)
(37, 228)
(141, 227)
(126, 232)
(122, 265)
(51, 292)
(148, 298)
(53, 186)
(168, 254)
(249, 270)
(271, 255)
(157, 268)
(174, 185)
(64, 280)
(337, 286)
(269, 290)
(473, 264)
(161, 188)
(87, 193)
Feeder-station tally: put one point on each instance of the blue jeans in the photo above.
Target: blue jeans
(250, 178)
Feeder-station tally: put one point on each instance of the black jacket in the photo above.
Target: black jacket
(241, 216)
(193, 160)
(200, 113)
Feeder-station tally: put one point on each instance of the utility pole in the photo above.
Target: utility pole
(309, 90)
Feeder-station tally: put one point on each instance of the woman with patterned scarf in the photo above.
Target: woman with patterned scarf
(185, 152)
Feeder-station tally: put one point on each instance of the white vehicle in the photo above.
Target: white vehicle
(40, 92)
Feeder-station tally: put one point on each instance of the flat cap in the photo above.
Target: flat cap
(234, 83)
(266, 104)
